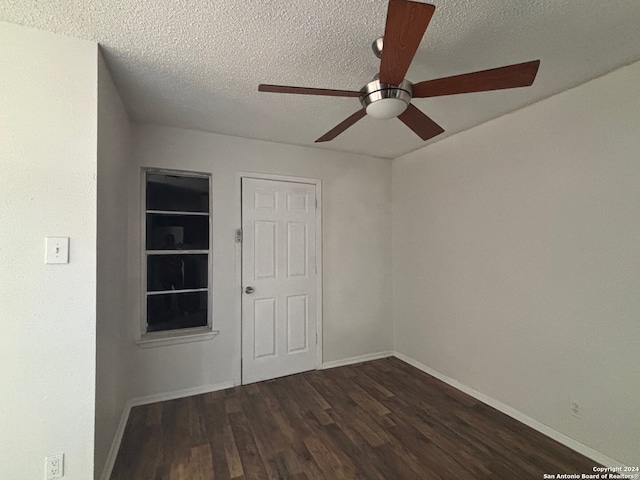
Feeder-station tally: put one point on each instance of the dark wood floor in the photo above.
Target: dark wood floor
(377, 420)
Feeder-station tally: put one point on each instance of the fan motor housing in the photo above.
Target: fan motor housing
(382, 100)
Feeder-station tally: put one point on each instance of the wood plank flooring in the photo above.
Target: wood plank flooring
(376, 420)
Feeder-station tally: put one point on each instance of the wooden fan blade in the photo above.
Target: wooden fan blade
(422, 125)
(307, 91)
(512, 76)
(406, 23)
(338, 129)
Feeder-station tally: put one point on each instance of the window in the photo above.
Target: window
(177, 253)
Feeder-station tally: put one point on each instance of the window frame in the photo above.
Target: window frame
(183, 335)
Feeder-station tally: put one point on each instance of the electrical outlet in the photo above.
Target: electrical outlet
(54, 466)
(575, 410)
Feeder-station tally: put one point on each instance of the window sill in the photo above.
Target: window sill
(164, 339)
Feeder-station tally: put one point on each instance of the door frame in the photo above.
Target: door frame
(237, 376)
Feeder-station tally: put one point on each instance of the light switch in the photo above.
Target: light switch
(57, 250)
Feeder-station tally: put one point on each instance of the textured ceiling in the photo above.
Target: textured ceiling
(197, 64)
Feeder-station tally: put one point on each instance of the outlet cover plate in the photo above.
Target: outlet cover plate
(54, 466)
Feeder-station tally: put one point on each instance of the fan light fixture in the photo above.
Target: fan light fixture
(384, 101)
(386, 108)
(389, 95)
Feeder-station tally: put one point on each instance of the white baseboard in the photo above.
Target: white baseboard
(115, 444)
(358, 359)
(517, 415)
(187, 392)
(135, 402)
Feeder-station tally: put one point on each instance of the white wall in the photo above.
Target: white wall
(356, 250)
(47, 188)
(114, 169)
(516, 259)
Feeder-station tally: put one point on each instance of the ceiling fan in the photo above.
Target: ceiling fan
(389, 94)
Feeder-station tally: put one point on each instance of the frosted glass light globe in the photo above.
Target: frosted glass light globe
(386, 108)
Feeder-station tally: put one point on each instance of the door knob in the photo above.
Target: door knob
(248, 290)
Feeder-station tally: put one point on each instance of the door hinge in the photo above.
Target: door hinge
(239, 235)
(316, 203)
(316, 338)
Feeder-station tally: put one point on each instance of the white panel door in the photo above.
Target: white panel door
(279, 276)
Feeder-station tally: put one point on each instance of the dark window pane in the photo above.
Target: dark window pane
(173, 311)
(177, 193)
(177, 232)
(177, 272)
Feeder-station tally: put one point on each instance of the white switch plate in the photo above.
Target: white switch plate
(57, 250)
